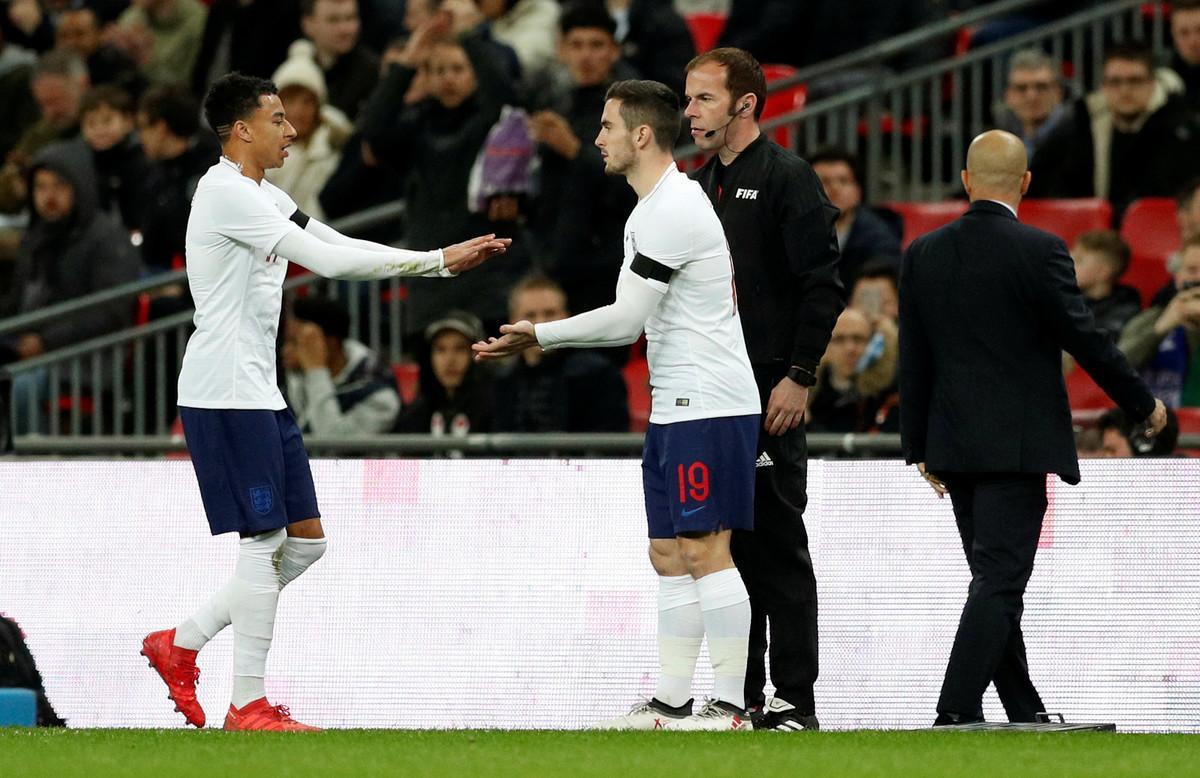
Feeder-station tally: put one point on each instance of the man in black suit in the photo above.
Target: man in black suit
(987, 305)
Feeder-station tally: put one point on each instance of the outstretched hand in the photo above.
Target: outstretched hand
(471, 253)
(514, 338)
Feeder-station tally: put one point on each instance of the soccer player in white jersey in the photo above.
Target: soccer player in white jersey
(249, 458)
(698, 463)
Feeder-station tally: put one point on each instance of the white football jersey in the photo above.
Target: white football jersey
(237, 284)
(696, 353)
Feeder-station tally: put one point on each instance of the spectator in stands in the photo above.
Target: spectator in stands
(107, 118)
(654, 40)
(168, 121)
(20, 109)
(579, 214)
(432, 146)
(1185, 34)
(337, 387)
(1115, 437)
(58, 82)
(351, 69)
(1187, 209)
(862, 234)
(1133, 138)
(70, 249)
(1033, 99)
(1163, 340)
(163, 37)
(321, 130)
(847, 396)
(79, 31)
(563, 390)
(1101, 258)
(528, 26)
(27, 24)
(251, 38)
(455, 395)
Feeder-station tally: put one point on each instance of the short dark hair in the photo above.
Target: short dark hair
(589, 14)
(650, 103)
(743, 74)
(1132, 51)
(60, 63)
(840, 154)
(531, 283)
(174, 105)
(109, 95)
(1110, 245)
(330, 315)
(880, 267)
(234, 97)
(1185, 5)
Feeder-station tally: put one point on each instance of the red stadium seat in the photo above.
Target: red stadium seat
(1067, 219)
(783, 102)
(637, 388)
(705, 30)
(1189, 420)
(408, 377)
(920, 218)
(1151, 229)
(1085, 394)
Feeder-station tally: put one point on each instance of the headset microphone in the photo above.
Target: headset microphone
(710, 133)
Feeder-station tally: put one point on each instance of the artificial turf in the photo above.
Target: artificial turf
(209, 753)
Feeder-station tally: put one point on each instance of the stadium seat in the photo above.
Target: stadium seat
(1189, 420)
(705, 28)
(784, 101)
(920, 218)
(637, 388)
(1068, 219)
(1085, 394)
(1151, 229)
(408, 379)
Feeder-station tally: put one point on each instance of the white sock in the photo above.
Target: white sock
(205, 623)
(255, 598)
(726, 608)
(296, 555)
(680, 633)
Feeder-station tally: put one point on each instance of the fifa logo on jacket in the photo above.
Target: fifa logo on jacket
(746, 194)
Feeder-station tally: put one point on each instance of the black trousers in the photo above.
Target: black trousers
(999, 518)
(777, 569)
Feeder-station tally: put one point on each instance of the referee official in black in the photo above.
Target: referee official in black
(780, 227)
(987, 306)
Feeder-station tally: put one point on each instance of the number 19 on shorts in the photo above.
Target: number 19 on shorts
(693, 482)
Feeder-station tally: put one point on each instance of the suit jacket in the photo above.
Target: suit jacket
(987, 305)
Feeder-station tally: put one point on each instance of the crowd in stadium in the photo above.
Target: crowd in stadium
(101, 138)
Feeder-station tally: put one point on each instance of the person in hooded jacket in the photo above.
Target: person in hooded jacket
(70, 249)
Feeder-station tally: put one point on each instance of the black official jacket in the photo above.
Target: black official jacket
(987, 306)
(780, 228)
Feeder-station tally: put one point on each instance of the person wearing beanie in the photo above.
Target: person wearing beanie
(321, 129)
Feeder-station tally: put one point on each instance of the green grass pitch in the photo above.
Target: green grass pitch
(211, 753)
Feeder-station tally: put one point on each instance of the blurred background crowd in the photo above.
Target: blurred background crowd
(478, 116)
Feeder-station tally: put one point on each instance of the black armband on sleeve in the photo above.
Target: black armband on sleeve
(300, 218)
(650, 269)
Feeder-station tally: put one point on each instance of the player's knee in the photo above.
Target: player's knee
(666, 559)
(701, 557)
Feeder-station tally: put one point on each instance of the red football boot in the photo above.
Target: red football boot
(177, 667)
(262, 716)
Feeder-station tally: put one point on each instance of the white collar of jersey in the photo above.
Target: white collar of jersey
(666, 173)
(227, 161)
(1006, 205)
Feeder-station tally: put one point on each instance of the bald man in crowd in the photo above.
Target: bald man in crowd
(988, 305)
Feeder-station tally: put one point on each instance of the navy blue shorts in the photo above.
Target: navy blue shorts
(698, 476)
(252, 468)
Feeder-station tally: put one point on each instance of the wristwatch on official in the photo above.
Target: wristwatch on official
(802, 376)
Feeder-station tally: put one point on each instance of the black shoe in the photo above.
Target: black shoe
(955, 719)
(781, 716)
